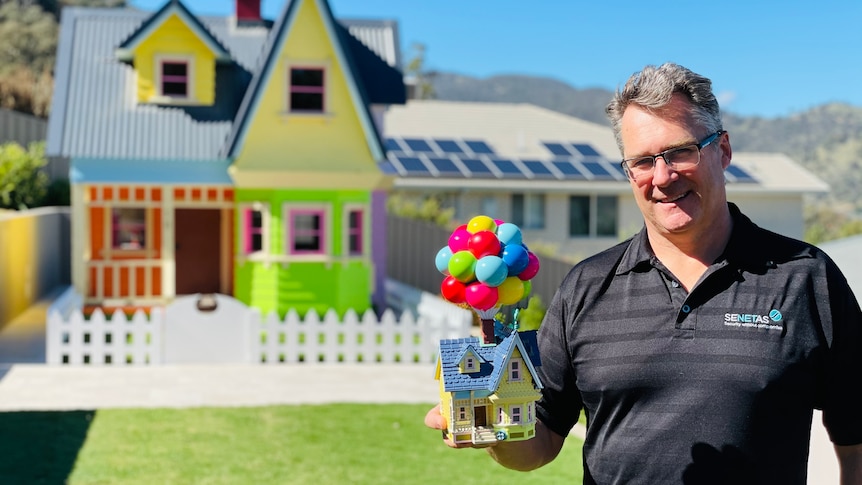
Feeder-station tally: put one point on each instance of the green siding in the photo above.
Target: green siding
(278, 286)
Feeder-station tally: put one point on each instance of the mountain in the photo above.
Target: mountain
(826, 140)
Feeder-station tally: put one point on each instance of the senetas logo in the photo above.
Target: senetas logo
(753, 320)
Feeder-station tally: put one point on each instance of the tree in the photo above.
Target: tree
(417, 76)
(22, 182)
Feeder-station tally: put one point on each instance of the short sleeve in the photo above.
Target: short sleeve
(560, 404)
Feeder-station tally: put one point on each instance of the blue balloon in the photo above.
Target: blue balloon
(509, 233)
(491, 270)
(442, 259)
(516, 258)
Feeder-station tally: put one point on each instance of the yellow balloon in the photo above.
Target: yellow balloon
(481, 223)
(510, 291)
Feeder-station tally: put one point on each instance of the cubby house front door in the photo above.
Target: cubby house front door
(481, 416)
(198, 251)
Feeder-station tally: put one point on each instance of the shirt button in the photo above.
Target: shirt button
(686, 309)
(674, 283)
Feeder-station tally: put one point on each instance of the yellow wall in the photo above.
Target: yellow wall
(34, 256)
(174, 38)
(333, 141)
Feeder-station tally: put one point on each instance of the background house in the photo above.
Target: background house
(225, 154)
(558, 177)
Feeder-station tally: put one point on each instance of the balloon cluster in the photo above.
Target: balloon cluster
(486, 265)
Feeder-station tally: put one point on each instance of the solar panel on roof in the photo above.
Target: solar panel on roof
(597, 169)
(585, 150)
(413, 165)
(538, 168)
(449, 146)
(568, 170)
(392, 145)
(507, 167)
(444, 166)
(387, 167)
(476, 167)
(479, 147)
(557, 149)
(740, 174)
(418, 145)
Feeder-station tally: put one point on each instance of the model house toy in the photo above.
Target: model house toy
(488, 385)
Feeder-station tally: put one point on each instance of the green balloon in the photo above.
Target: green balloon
(462, 266)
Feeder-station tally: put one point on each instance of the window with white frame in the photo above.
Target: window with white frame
(174, 77)
(516, 414)
(462, 413)
(128, 228)
(515, 370)
(592, 215)
(306, 230)
(354, 231)
(470, 363)
(254, 223)
(307, 89)
(528, 210)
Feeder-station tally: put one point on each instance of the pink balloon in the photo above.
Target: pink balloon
(481, 296)
(531, 269)
(459, 239)
(483, 243)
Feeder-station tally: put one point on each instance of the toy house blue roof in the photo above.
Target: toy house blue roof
(94, 115)
(493, 363)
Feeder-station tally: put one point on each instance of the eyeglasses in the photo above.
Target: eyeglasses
(677, 158)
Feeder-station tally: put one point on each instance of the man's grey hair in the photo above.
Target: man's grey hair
(652, 89)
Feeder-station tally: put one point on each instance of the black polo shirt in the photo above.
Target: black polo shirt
(712, 386)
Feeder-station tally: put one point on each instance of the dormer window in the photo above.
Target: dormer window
(470, 363)
(306, 89)
(175, 79)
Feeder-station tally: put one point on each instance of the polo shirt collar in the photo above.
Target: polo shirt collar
(739, 250)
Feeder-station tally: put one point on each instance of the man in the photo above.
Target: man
(698, 348)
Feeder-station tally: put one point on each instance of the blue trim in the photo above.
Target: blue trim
(150, 171)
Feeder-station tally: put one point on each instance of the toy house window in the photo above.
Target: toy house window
(516, 414)
(128, 228)
(307, 231)
(354, 231)
(175, 79)
(254, 224)
(470, 363)
(528, 210)
(515, 370)
(462, 413)
(307, 89)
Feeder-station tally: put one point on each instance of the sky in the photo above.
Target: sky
(766, 58)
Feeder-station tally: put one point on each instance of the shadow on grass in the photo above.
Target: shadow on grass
(41, 447)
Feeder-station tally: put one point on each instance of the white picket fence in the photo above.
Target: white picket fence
(234, 333)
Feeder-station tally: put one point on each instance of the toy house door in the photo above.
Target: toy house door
(480, 414)
(198, 251)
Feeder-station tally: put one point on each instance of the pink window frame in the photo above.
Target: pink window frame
(249, 230)
(293, 232)
(515, 370)
(516, 415)
(358, 231)
(173, 78)
(308, 89)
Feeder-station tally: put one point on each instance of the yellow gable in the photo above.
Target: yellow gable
(173, 55)
(291, 141)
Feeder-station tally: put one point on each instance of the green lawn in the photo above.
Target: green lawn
(321, 444)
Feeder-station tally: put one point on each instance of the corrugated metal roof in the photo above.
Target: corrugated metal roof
(381, 36)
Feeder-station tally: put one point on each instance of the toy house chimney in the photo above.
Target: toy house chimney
(248, 12)
(487, 330)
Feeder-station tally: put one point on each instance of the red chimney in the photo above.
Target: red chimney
(248, 10)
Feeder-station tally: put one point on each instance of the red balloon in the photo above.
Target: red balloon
(481, 296)
(531, 269)
(453, 290)
(483, 243)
